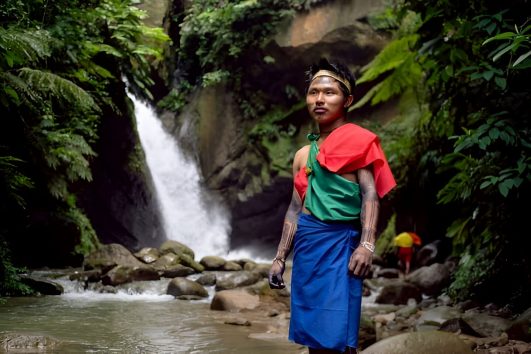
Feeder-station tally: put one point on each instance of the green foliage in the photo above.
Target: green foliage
(215, 34)
(60, 64)
(10, 284)
(470, 146)
(384, 244)
(472, 270)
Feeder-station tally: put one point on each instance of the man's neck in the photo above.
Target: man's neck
(325, 130)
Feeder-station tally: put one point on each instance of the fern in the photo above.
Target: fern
(46, 83)
(22, 47)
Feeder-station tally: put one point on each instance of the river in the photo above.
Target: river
(138, 319)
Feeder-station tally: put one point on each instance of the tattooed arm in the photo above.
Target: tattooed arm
(361, 259)
(289, 229)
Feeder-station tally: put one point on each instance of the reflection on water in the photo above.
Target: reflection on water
(118, 323)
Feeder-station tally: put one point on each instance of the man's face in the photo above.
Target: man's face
(325, 100)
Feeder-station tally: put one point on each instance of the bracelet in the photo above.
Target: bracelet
(368, 246)
(279, 259)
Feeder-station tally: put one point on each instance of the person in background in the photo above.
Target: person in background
(332, 218)
(405, 242)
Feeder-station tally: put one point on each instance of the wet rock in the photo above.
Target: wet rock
(459, 326)
(520, 328)
(148, 255)
(189, 261)
(234, 300)
(238, 279)
(212, 262)
(124, 274)
(398, 293)
(262, 269)
(25, 343)
(166, 261)
(177, 248)
(232, 266)
(207, 279)
(384, 318)
(42, 286)
(116, 276)
(90, 276)
(486, 325)
(176, 271)
(143, 274)
(430, 280)
(432, 342)
(436, 317)
(238, 322)
(182, 286)
(109, 256)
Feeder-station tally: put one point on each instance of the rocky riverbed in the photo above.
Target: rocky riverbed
(400, 314)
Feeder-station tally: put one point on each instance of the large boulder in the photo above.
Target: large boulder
(432, 342)
(430, 280)
(184, 288)
(148, 254)
(520, 328)
(124, 274)
(177, 248)
(42, 286)
(398, 293)
(109, 256)
(238, 279)
(212, 262)
(234, 300)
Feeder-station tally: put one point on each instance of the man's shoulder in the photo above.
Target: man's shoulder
(352, 128)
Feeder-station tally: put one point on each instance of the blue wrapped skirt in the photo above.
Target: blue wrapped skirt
(325, 296)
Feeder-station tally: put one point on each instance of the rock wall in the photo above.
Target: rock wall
(254, 176)
(121, 201)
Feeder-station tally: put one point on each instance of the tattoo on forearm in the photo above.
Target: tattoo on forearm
(290, 227)
(370, 207)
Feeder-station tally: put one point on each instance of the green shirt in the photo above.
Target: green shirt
(330, 197)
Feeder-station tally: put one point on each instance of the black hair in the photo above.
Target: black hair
(337, 67)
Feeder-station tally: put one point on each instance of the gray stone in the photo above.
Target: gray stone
(232, 266)
(486, 325)
(148, 254)
(42, 286)
(398, 293)
(24, 343)
(212, 262)
(234, 300)
(207, 279)
(432, 342)
(430, 280)
(520, 329)
(182, 286)
(237, 279)
(109, 256)
(176, 271)
(176, 247)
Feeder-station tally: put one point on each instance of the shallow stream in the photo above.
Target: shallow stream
(133, 321)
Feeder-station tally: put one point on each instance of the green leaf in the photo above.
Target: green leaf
(503, 51)
(501, 36)
(501, 82)
(487, 75)
(521, 58)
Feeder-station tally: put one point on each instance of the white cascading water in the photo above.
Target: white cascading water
(186, 217)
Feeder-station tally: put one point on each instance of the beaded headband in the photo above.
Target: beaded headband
(332, 75)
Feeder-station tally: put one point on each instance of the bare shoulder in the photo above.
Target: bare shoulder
(301, 156)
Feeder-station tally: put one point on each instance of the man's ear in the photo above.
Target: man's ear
(349, 101)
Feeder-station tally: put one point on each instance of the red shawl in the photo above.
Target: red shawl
(347, 149)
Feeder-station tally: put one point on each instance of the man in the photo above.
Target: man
(332, 218)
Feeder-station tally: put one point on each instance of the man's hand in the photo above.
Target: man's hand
(275, 275)
(360, 262)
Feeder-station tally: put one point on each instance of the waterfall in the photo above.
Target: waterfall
(187, 216)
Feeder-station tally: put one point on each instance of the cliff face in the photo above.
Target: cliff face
(121, 201)
(249, 161)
